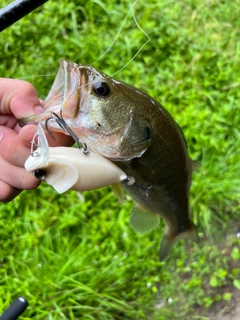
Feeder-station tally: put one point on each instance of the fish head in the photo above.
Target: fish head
(101, 111)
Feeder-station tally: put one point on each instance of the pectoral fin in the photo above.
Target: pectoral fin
(118, 192)
(142, 220)
(169, 241)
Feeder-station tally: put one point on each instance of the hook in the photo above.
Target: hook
(63, 125)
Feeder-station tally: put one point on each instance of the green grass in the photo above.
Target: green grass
(77, 259)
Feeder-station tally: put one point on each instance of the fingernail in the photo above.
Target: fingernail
(38, 109)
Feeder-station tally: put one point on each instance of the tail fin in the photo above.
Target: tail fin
(169, 241)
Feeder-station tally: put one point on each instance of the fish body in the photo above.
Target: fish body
(136, 133)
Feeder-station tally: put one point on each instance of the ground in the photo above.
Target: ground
(223, 297)
(225, 310)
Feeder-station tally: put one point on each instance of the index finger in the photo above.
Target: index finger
(26, 134)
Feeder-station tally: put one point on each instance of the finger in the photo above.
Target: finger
(18, 97)
(17, 177)
(26, 134)
(8, 121)
(7, 192)
(12, 149)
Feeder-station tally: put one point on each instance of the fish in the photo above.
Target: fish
(137, 134)
(66, 168)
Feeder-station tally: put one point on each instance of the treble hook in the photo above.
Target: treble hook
(63, 125)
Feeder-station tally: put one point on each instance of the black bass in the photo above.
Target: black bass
(127, 126)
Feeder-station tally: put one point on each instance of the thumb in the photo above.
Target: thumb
(19, 98)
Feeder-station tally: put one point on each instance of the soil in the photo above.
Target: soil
(222, 309)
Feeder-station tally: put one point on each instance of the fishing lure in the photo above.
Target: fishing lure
(67, 168)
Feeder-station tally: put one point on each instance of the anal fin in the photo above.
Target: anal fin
(142, 220)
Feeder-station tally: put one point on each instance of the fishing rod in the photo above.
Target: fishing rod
(17, 10)
(15, 309)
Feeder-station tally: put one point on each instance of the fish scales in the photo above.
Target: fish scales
(167, 169)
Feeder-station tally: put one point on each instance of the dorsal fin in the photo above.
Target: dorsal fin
(142, 220)
(195, 165)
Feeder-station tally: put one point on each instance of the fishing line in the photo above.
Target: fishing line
(38, 76)
(130, 11)
(118, 33)
(146, 42)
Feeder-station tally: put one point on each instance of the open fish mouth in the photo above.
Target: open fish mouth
(69, 92)
(95, 110)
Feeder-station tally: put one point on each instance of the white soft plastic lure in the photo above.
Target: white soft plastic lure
(67, 168)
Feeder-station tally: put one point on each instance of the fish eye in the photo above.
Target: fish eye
(39, 174)
(146, 133)
(101, 89)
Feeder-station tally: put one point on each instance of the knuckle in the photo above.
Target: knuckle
(29, 182)
(13, 152)
(7, 192)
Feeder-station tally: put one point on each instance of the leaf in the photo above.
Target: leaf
(235, 254)
(236, 283)
(227, 296)
(214, 282)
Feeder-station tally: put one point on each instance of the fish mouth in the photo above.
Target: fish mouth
(69, 92)
(35, 119)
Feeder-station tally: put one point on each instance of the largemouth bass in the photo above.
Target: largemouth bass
(127, 126)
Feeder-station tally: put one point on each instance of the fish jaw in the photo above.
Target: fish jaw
(35, 119)
(64, 95)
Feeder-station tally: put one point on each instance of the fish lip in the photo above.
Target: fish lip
(22, 122)
(35, 119)
(77, 86)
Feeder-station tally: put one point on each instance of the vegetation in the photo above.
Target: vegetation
(78, 258)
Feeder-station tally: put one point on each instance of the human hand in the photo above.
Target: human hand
(18, 99)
